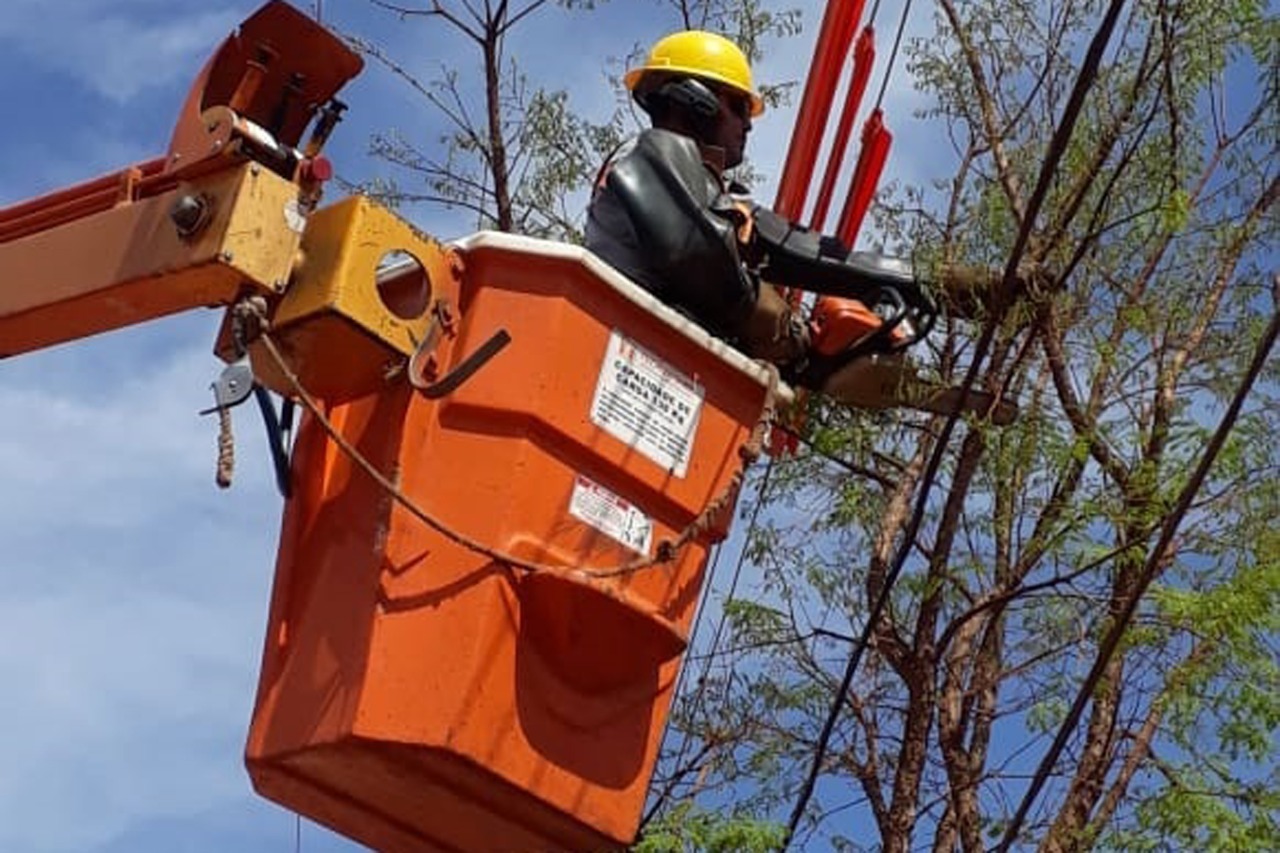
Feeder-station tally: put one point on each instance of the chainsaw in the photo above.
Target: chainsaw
(871, 308)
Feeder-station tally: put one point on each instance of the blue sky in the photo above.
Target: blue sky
(134, 592)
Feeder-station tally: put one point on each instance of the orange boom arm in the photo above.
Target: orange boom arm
(222, 211)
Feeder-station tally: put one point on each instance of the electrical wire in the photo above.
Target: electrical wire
(710, 655)
(682, 677)
(893, 54)
(1170, 527)
(737, 574)
(1057, 148)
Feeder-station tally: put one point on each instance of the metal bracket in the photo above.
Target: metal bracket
(443, 321)
(233, 386)
(454, 378)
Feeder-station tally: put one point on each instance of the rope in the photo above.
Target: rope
(226, 450)
(666, 551)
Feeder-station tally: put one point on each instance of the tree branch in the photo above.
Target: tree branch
(986, 104)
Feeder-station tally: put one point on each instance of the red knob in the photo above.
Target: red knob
(318, 169)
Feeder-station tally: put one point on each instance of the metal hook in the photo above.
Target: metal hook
(233, 386)
(454, 378)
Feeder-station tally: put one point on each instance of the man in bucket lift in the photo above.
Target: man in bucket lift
(663, 214)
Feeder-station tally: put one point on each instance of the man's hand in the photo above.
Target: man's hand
(773, 332)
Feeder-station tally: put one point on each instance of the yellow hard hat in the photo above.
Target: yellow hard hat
(707, 56)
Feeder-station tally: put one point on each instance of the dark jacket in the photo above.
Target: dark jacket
(662, 217)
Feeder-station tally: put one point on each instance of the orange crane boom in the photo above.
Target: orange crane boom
(222, 210)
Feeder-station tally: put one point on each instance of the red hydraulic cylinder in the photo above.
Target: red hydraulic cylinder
(864, 55)
(876, 140)
(839, 23)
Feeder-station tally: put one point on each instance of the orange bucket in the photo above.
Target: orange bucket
(417, 693)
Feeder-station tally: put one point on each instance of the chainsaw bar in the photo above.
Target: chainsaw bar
(889, 382)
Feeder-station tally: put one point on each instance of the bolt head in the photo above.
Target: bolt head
(189, 214)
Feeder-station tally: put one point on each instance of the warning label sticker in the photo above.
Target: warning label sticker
(643, 402)
(611, 515)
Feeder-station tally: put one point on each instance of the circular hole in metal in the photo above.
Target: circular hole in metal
(403, 284)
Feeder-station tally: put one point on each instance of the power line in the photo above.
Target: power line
(1170, 527)
(1057, 148)
(893, 54)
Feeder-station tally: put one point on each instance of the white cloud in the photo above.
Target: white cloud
(116, 48)
(121, 706)
(143, 432)
(135, 592)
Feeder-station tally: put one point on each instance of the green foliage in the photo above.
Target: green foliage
(755, 621)
(1196, 812)
(562, 152)
(1046, 715)
(687, 828)
(1235, 621)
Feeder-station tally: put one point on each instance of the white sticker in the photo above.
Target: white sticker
(611, 515)
(294, 217)
(646, 404)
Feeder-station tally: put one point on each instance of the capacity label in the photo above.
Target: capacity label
(644, 403)
(611, 515)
